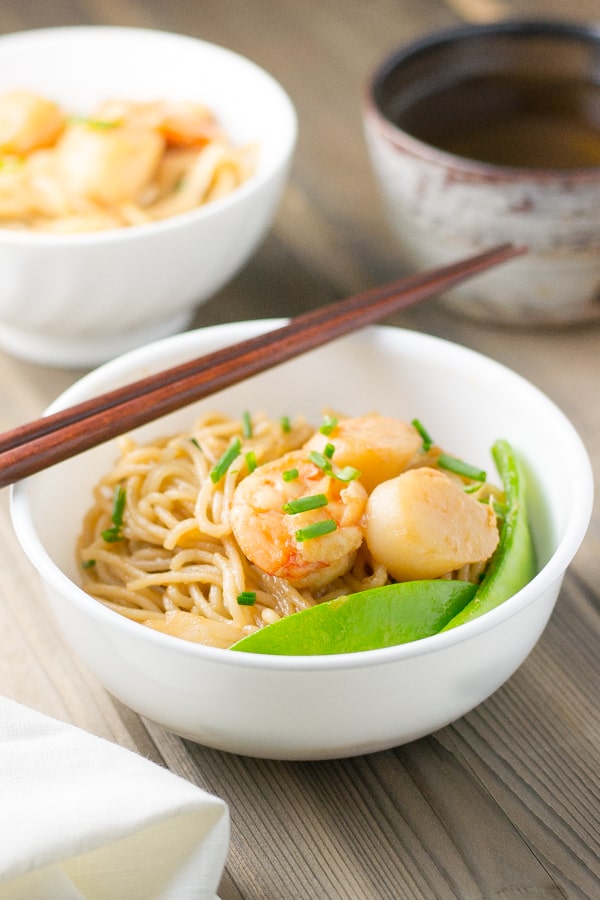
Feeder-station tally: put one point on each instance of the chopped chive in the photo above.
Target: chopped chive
(285, 424)
(328, 424)
(246, 425)
(459, 467)
(251, 460)
(427, 439)
(196, 444)
(111, 535)
(118, 506)
(221, 466)
(88, 563)
(328, 450)
(348, 473)
(316, 530)
(320, 460)
(93, 123)
(303, 504)
(246, 598)
(290, 474)
(472, 489)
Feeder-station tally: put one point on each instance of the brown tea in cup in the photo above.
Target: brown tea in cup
(512, 119)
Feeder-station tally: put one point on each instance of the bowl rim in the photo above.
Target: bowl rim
(551, 573)
(586, 32)
(172, 223)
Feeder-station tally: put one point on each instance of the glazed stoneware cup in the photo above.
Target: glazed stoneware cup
(485, 134)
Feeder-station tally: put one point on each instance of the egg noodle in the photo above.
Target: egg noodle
(127, 163)
(158, 546)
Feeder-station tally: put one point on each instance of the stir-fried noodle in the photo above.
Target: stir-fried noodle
(158, 544)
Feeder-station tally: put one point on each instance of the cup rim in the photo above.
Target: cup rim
(376, 118)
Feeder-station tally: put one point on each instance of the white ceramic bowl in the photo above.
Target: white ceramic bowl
(333, 706)
(77, 300)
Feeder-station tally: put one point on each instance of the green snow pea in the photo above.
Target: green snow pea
(367, 620)
(513, 564)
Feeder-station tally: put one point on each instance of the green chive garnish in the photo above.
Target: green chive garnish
(246, 598)
(251, 460)
(118, 506)
(113, 534)
(348, 473)
(328, 450)
(88, 563)
(196, 444)
(93, 123)
(320, 460)
(285, 424)
(290, 474)
(328, 424)
(316, 530)
(246, 425)
(451, 464)
(221, 466)
(427, 439)
(303, 504)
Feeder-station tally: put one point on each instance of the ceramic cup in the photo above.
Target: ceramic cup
(485, 134)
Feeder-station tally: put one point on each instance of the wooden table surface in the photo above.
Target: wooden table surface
(506, 801)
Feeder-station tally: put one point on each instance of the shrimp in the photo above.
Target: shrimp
(271, 537)
(28, 122)
(182, 123)
(422, 524)
(379, 447)
(108, 163)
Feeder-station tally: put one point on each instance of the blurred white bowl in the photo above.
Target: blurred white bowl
(77, 300)
(334, 706)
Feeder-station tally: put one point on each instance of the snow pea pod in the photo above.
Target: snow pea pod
(513, 564)
(367, 620)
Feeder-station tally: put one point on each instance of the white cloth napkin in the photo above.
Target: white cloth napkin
(81, 817)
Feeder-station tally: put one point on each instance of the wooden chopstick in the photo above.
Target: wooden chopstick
(35, 446)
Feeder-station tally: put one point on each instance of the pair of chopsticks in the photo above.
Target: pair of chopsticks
(61, 435)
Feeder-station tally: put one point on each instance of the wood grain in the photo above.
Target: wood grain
(504, 803)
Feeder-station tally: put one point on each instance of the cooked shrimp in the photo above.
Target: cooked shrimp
(109, 164)
(28, 122)
(128, 163)
(378, 446)
(271, 537)
(422, 524)
(182, 123)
